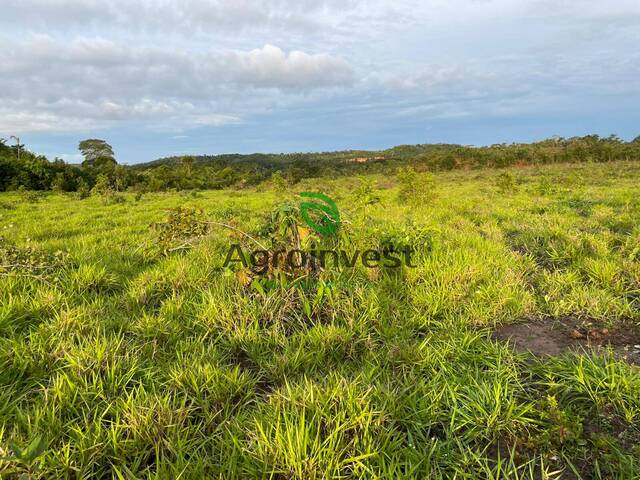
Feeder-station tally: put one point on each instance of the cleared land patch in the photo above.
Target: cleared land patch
(553, 337)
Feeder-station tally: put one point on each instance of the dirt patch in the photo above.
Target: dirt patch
(552, 337)
(386, 184)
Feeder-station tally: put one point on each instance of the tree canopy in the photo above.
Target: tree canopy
(35, 172)
(97, 153)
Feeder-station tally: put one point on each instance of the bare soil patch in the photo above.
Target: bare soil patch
(554, 336)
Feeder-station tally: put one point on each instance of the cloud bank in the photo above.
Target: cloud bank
(321, 69)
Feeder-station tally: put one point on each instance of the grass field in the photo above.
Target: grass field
(127, 353)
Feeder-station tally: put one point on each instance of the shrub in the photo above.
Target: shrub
(506, 183)
(30, 262)
(278, 181)
(102, 186)
(105, 190)
(59, 184)
(415, 188)
(365, 192)
(181, 227)
(29, 195)
(544, 186)
(83, 190)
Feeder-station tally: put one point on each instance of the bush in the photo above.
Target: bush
(30, 262)
(506, 183)
(104, 189)
(179, 229)
(83, 190)
(29, 195)
(365, 192)
(278, 181)
(415, 188)
(544, 186)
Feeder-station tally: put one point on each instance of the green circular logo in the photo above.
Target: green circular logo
(329, 219)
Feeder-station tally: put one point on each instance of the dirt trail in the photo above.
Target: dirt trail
(554, 336)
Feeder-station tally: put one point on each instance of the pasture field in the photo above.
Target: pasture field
(127, 351)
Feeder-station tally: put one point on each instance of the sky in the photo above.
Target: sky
(158, 78)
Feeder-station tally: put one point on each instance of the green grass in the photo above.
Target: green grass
(132, 364)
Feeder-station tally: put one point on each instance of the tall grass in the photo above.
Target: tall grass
(127, 362)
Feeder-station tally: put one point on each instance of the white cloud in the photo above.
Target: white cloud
(73, 65)
(95, 82)
(18, 120)
(182, 16)
(271, 67)
(46, 60)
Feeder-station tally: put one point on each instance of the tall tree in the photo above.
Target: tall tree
(97, 153)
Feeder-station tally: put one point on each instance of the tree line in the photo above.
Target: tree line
(22, 169)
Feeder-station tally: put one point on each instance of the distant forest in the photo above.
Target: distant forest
(24, 170)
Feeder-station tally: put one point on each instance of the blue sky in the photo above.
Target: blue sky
(160, 77)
